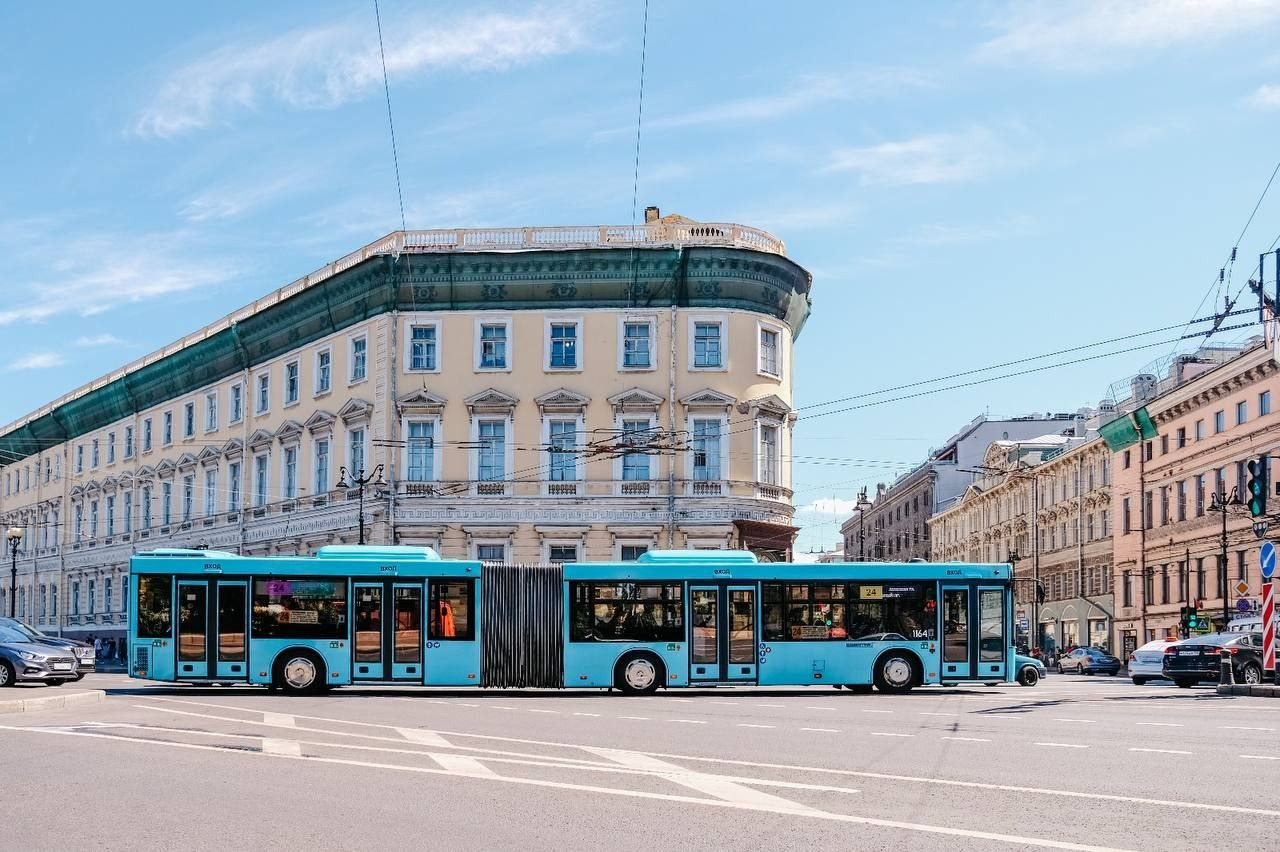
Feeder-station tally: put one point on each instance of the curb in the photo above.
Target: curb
(51, 702)
(1258, 691)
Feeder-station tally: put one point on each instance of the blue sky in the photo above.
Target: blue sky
(970, 183)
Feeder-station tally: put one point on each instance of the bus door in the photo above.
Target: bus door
(724, 633)
(370, 626)
(993, 630)
(193, 629)
(231, 651)
(406, 637)
(959, 645)
(975, 633)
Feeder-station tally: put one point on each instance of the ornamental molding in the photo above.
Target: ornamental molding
(770, 406)
(562, 400)
(289, 430)
(209, 456)
(421, 401)
(355, 411)
(233, 448)
(259, 439)
(707, 398)
(146, 472)
(635, 399)
(166, 468)
(491, 400)
(110, 483)
(320, 422)
(186, 461)
(126, 480)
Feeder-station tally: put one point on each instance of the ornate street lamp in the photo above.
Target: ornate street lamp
(14, 535)
(360, 480)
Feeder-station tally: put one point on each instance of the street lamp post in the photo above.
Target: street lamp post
(862, 506)
(359, 480)
(14, 535)
(1221, 502)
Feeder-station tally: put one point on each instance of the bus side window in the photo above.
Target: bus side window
(155, 607)
(450, 610)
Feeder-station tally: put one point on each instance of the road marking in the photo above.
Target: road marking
(501, 707)
(1090, 721)
(536, 710)
(597, 715)
(463, 765)
(636, 718)
(283, 748)
(1062, 745)
(821, 730)
(684, 700)
(1160, 724)
(875, 711)
(884, 734)
(785, 808)
(1243, 728)
(745, 725)
(418, 735)
(939, 714)
(820, 708)
(1160, 750)
(278, 720)
(726, 703)
(772, 705)
(1260, 757)
(968, 739)
(688, 721)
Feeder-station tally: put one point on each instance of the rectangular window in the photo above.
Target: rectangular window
(563, 440)
(359, 358)
(291, 383)
(635, 464)
(493, 346)
(210, 492)
(232, 620)
(493, 450)
(1126, 459)
(355, 451)
(1200, 578)
(300, 609)
(290, 472)
(421, 446)
(264, 394)
(166, 503)
(146, 507)
(1264, 403)
(1182, 437)
(636, 345)
(211, 411)
(237, 403)
(491, 552)
(127, 514)
(422, 347)
(706, 345)
(324, 371)
(1147, 513)
(1199, 430)
(189, 420)
(111, 448)
(992, 644)
(111, 515)
(233, 486)
(93, 461)
(128, 448)
(564, 345)
(93, 519)
(562, 553)
(632, 552)
(1164, 445)
(770, 357)
(260, 481)
(706, 450)
(1241, 571)
(1201, 487)
(1182, 499)
(1242, 412)
(769, 455)
(75, 598)
(451, 608)
(155, 606)
(322, 466)
(1164, 505)
(1126, 522)
(167, 434)
(146, 435)
(627, 612)
(79, 458)
(1127, 589)
(1219, 421)
(188, 498)
(1164, 584)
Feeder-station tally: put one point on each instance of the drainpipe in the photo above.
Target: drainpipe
(671, 405)
(1142, 536)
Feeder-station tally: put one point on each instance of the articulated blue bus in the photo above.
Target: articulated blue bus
(402, 615)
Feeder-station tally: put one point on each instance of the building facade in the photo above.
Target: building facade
(1044, 505)
(1213, 413)
(534, 395)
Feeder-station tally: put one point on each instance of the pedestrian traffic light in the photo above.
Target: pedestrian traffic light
(1257, 486)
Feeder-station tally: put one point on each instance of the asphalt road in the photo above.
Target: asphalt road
(1073, 763)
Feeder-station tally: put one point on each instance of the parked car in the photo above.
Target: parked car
(82, 651)
(1028, 670)
(1200, 658)
(1147, 662)
(24, 660)
(1089, 661)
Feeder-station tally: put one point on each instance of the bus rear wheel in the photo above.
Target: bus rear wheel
(895, 673)
(299, 672)
(638, 674)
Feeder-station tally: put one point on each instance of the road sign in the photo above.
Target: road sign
(1267, 559)
(1242, 588)
(1243, 605)
(1259, 528)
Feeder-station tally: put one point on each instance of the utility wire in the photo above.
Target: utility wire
(386, 87)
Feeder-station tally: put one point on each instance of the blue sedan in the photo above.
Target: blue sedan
(1089, 661)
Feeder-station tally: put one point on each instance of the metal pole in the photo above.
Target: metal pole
(862, 545)
(1225, 591)
(360, 480)
(13, 579)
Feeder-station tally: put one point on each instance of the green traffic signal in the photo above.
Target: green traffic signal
(1257, 487)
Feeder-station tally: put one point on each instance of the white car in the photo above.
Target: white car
(1147, 663)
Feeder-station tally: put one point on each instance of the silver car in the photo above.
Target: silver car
(23, 660)
(1147, 663)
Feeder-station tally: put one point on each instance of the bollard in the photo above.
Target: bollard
(1226, 676)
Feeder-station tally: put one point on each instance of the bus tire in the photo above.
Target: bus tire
(639, 673)
(896, 672)
(299, 671)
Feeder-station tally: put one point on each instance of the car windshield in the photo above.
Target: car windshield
(20, 628)
(8, 634)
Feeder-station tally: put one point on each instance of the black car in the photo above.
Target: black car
(1200, 658)
(83, 651)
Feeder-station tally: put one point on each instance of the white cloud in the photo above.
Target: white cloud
(1264, 97)
(99, 340)
(325, 67)
(38, 361)
(831, 506)
(229, 201)
(1086, 36)
(927, 159)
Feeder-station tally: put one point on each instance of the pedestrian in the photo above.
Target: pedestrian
(97, 646)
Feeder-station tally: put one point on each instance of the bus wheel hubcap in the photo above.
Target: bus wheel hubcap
(640, 674)
(897, 671)
(300, 673)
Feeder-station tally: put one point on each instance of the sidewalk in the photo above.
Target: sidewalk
(15, 700)
(1257, 691)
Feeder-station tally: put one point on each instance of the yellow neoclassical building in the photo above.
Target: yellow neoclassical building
(523, 394)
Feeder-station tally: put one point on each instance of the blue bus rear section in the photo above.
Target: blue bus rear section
(403, 615)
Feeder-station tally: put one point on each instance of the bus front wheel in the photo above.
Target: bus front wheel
(299, 672)
(638, 674)
(895, 673)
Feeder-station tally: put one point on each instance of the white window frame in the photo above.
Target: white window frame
(478, 348)
(235, 491)
(578, 348)
(363, 429)
(95, 456)
(759, 458)
(166, 428)
(232, 416)
(129, 448)
(188, 498)
(188, 420)
(261, 498)
(316, 440)
(211, 412)
(702, 319)
(258, 396)
(316, 388)
(79, 465)
(126, 513)
(578, 432)
(147, 444)
(508, 463)
(111, 449)
(637, 319)
(166, 503)
(761, 328)
(575, 543)
(210, 493)
(409, 326)
(284, 471)
(620, 462)
(288, 402)
(109, 511)
(647, 543)
(437, 423)
(477, 543)
(724, 443)
(351, 358)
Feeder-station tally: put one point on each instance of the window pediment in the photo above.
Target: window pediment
(209, 455)
(356, 410)
(562, 400)
(769, 406)
(110, 483)
(636, 399)
(491, 400)
(166, 468)
(707, 398)
(233, 449)
(77, 490)
(186, 461)
(146, 472)
(320, 422)
(260, 438)
(289, 430)
(421, 401)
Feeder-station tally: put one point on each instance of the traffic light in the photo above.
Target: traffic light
(1191, 619)
(1257, 486)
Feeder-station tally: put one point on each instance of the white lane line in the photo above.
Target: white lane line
(787, 808)
(597, 715)
(1260, 756)
(726, 703)
(635, 718)
(501, 707)
(463, 765)
(1242, 728)
(536, 710)
(772, 705)
(875, 711)
(286, 748)
(1160, 724)
(1089, 721)
(885, 734)
(688, 721)
(418, 735)
(939, 714)
(278, 720)
(682, 700)
(1160, 750)
(968, 739)
(820, 708)
(821, 730)
(463, 704)
(1062, 745)
(745, 725)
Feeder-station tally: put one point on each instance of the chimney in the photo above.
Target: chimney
(651, 214)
